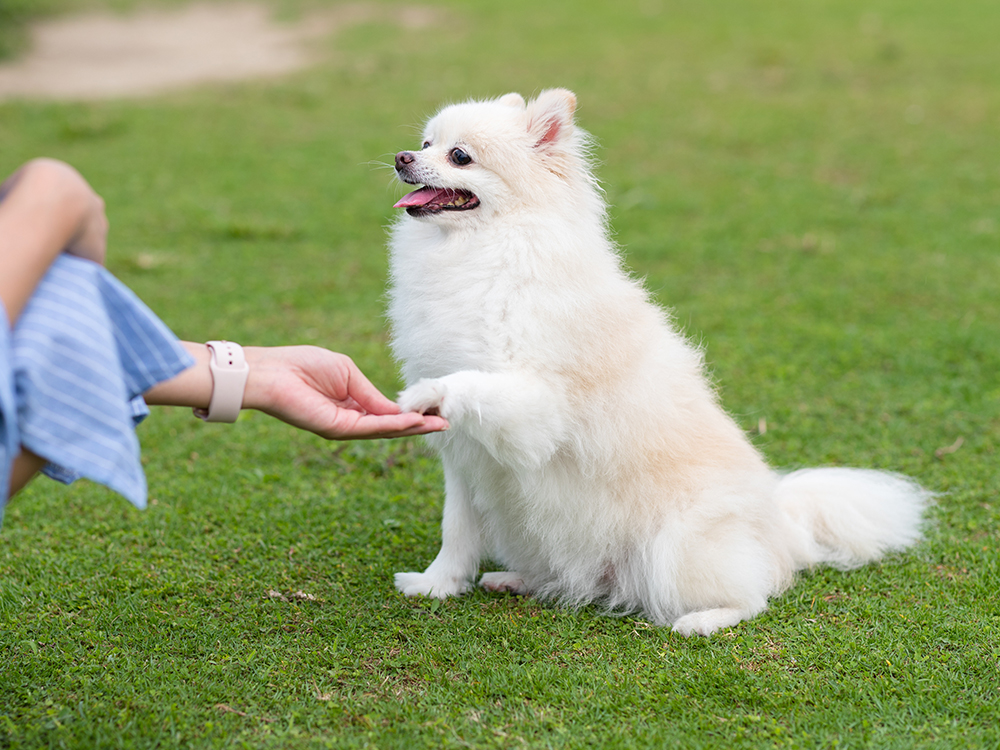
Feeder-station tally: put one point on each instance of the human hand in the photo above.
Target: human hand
(325, 392)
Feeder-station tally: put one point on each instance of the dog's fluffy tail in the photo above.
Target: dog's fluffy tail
(849, 517)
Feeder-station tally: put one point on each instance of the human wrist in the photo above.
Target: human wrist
(258, 392)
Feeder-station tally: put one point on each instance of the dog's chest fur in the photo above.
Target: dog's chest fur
(471, 300)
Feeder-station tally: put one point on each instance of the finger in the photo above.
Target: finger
(367, 395)
(388, 426)
(435, 424)
(432, 424)
(413, 432)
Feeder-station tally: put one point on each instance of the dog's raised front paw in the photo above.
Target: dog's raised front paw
(425, 396)
(421, 584)
(504, 581)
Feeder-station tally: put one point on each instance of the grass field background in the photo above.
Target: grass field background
(812, 187)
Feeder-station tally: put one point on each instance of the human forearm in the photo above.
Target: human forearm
(194, 386)
(306, 386)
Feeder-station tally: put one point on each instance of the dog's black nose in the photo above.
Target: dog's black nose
(404, 159)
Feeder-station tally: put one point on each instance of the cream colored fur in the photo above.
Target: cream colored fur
(587, 452)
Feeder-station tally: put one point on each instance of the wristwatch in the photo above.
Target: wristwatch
(229, 380)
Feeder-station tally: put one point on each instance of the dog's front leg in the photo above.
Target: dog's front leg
(458, 561)
(519, 417)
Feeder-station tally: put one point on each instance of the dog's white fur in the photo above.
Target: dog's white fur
(587, 452)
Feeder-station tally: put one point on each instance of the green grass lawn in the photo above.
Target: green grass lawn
(812, 187)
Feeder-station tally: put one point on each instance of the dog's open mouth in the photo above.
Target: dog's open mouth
(432, 200)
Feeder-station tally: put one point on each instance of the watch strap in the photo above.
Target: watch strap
(229, 379)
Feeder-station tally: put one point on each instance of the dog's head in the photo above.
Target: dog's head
(484, 158)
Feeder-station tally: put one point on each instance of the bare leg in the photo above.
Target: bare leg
(26, 465)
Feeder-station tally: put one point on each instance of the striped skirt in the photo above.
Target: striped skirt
(72, 375)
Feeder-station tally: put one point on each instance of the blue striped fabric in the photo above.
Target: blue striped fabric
(10, 438)
(84, 350)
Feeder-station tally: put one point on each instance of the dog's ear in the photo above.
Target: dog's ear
(550, 117)
(512, 100)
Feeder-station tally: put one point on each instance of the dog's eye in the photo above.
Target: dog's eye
(459, 158)
(427, 144)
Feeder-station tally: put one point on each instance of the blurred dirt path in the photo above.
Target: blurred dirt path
(108, 56)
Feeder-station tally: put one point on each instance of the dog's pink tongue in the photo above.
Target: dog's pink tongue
(419, 197)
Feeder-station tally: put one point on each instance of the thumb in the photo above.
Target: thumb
(367, 396)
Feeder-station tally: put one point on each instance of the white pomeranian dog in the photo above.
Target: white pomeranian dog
(588, 454)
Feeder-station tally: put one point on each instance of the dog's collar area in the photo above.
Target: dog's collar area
(432, 200)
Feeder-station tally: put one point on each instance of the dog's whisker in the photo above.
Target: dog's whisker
(376, 164)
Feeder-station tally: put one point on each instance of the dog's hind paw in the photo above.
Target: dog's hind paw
(708, 621)
(504, 581)
(421, 584)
